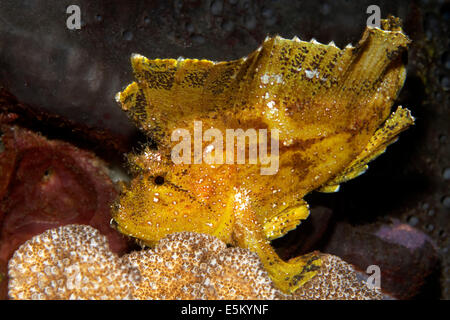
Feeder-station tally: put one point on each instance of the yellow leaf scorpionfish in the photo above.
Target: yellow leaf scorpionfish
(322, 112)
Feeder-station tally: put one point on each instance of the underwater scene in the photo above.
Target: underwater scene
(224, 150)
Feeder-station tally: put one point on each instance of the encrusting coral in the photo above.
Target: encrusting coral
(75, 262)
(189, 265)
(69, 262)
(336, 280)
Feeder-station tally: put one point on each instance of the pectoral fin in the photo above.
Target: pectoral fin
(287, 220)
(288, 276)
(399, 121)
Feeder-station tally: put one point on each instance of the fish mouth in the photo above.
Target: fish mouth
(141, 242)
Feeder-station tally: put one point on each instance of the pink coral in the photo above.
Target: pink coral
(62, 184)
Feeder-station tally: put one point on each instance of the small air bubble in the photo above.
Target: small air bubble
(446, 201)
(190, 28)
(446, 174)
(127, 35)
(431, 25)
(250, 22)
(325, 9)
(197, 39)
(413, 221)
(446, 60)
(445, 82)
(228, 26)
(267, 13)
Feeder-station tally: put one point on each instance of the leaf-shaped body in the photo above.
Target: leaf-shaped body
(326, 103)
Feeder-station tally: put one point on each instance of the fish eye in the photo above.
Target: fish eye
(159, 180)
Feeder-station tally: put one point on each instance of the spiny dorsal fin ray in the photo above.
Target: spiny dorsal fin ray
(304, 76)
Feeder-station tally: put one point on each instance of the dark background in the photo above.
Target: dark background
(63, 83)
